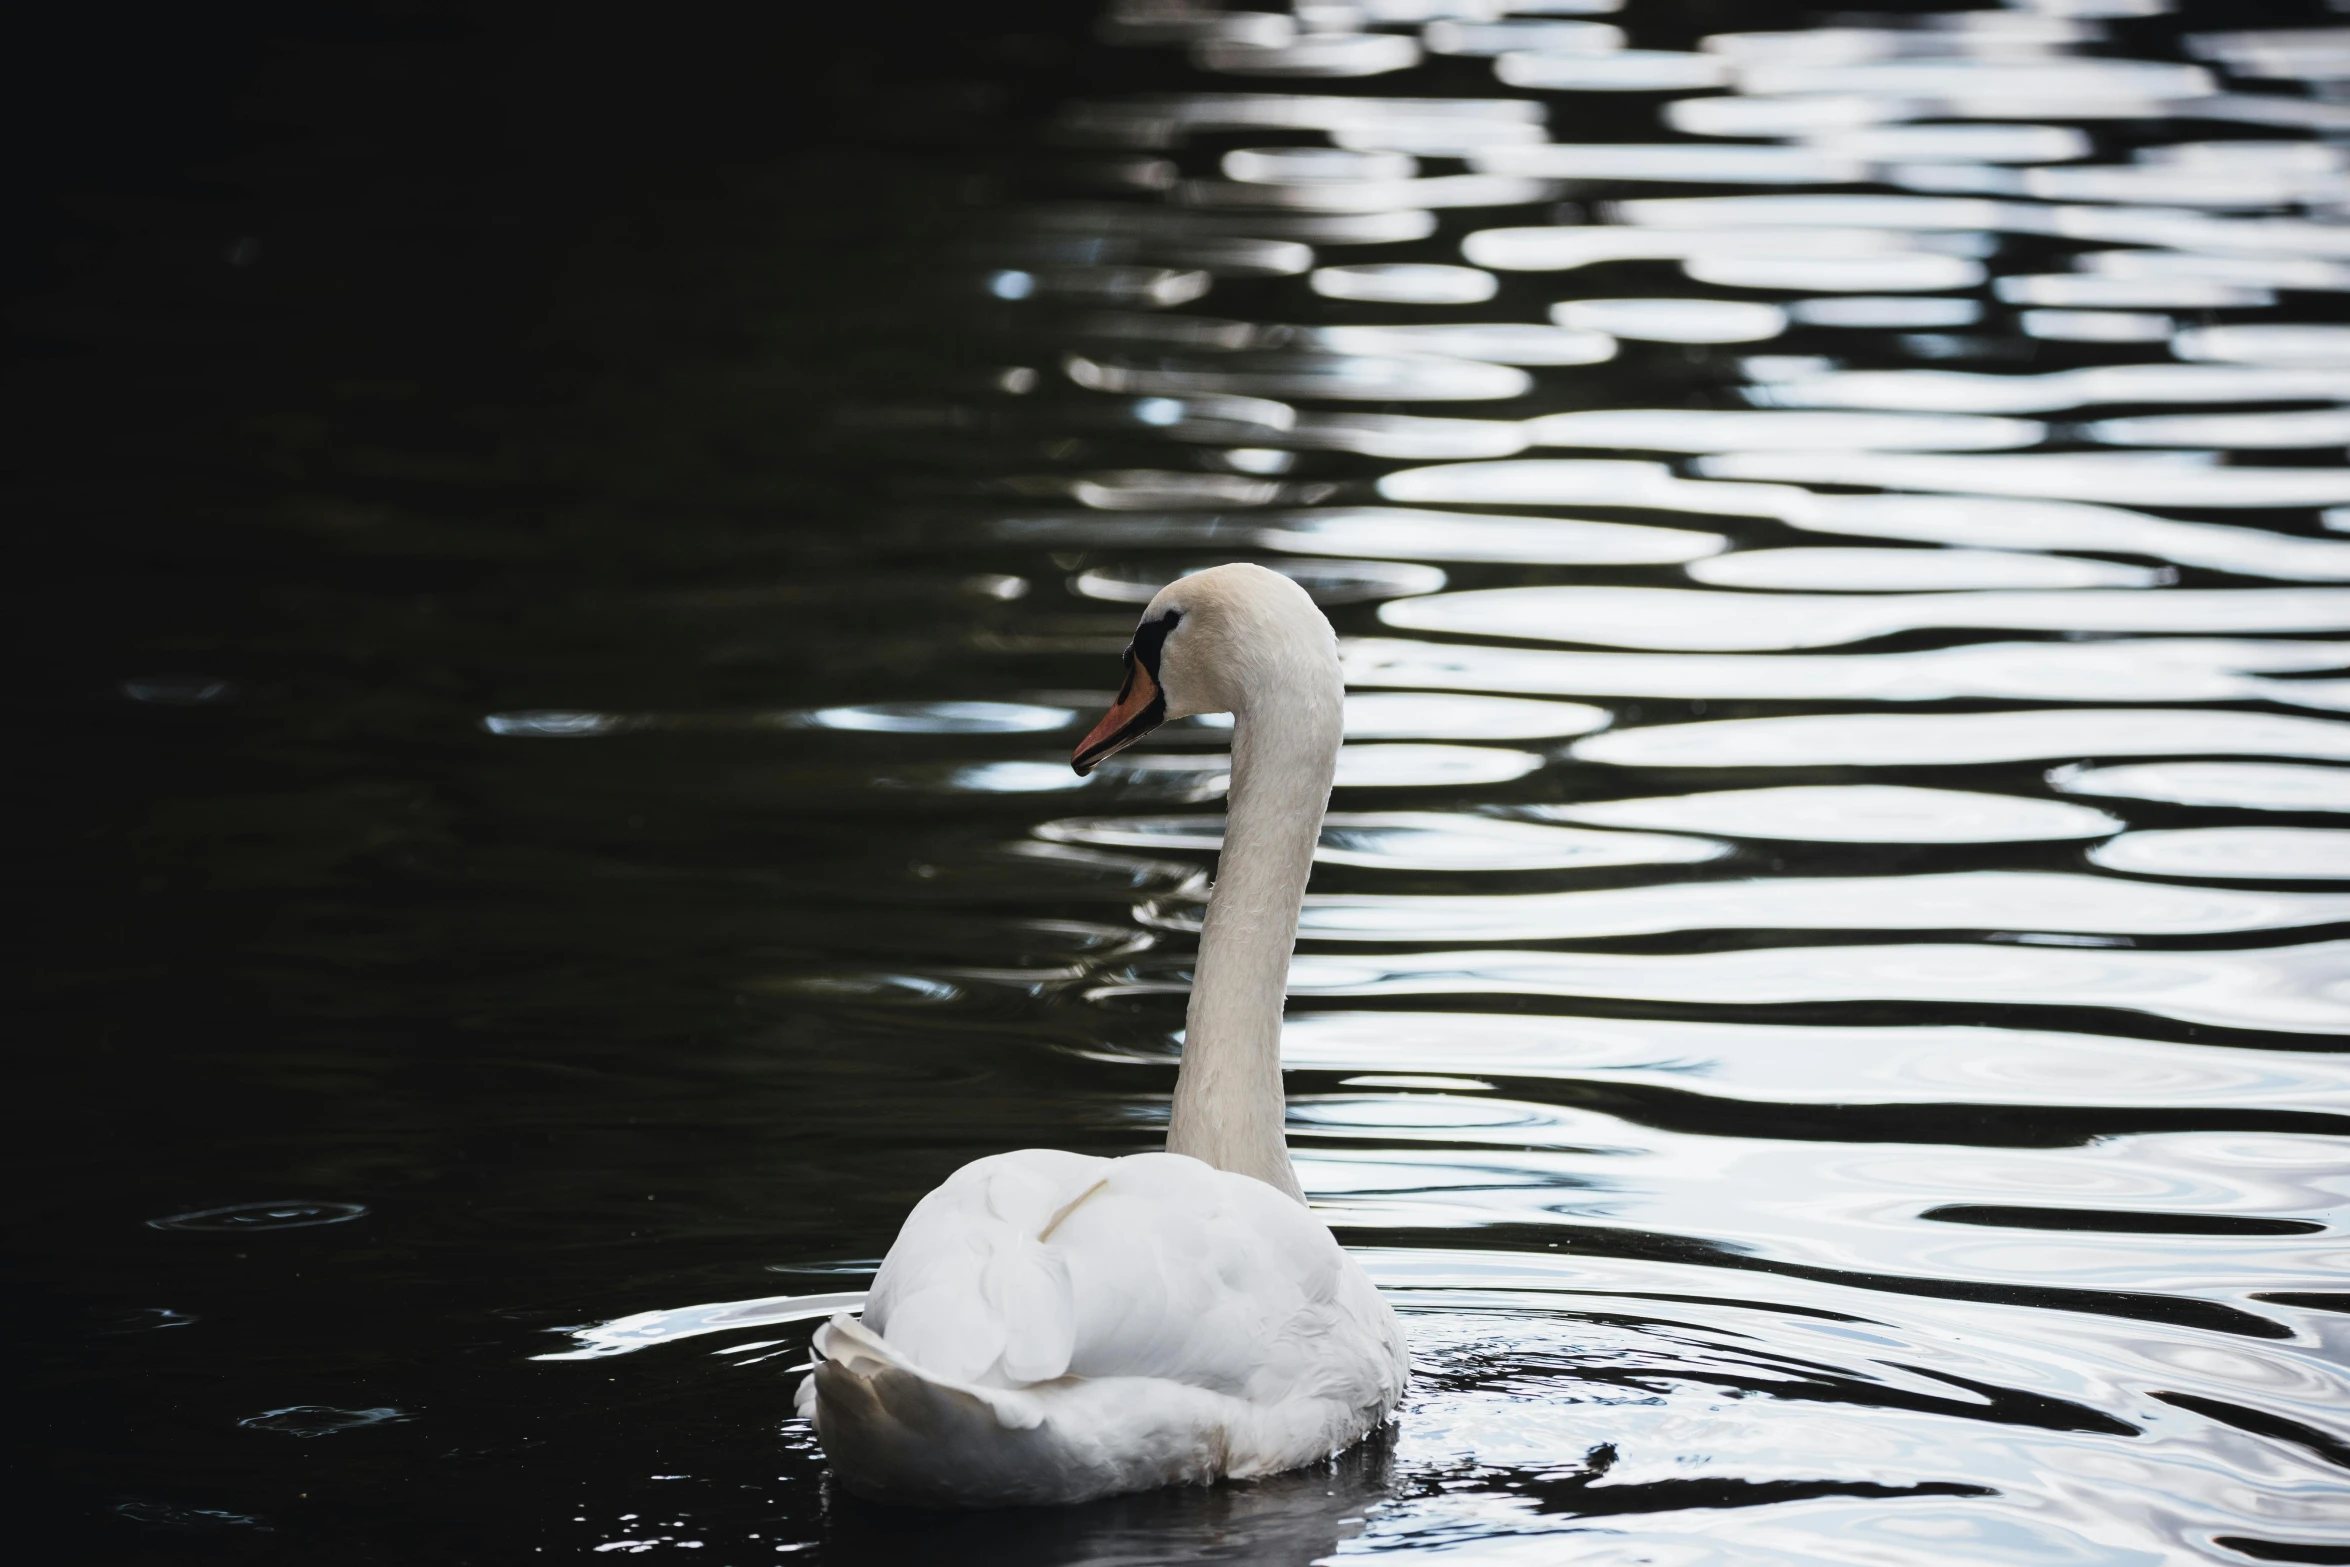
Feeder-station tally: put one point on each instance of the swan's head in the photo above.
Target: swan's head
(1213, 642)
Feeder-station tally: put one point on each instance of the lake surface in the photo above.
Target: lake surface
(566, 561)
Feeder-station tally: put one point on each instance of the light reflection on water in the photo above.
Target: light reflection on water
(1836, 1055)
(1850, 813)
(1683, 619)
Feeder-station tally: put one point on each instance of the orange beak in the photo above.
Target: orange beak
(1140, 708)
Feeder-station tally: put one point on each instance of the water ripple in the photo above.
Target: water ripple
(2293, 989)
(246, 1217)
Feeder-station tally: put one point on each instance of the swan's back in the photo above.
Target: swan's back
(1050, 1327)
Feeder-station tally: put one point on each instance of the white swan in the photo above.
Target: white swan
(1051, 1327)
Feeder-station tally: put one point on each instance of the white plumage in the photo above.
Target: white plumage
(1051, 1327)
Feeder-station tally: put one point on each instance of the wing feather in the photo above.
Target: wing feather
(969, 1291)
(1055, 1327)
(1156, 1265)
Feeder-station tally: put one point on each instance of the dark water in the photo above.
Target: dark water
(559, 562)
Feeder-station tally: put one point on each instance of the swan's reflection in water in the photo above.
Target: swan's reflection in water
(1288, 1520)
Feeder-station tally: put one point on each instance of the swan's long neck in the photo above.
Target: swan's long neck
(1228, 1102)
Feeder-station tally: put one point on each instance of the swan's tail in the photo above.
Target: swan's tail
(896, 1433)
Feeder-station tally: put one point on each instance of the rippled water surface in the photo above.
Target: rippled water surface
(570, 559)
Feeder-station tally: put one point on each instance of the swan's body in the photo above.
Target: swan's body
(1182, 1324)
(1051, 1327)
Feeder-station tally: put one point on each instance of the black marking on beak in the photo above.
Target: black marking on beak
(1141, 705)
